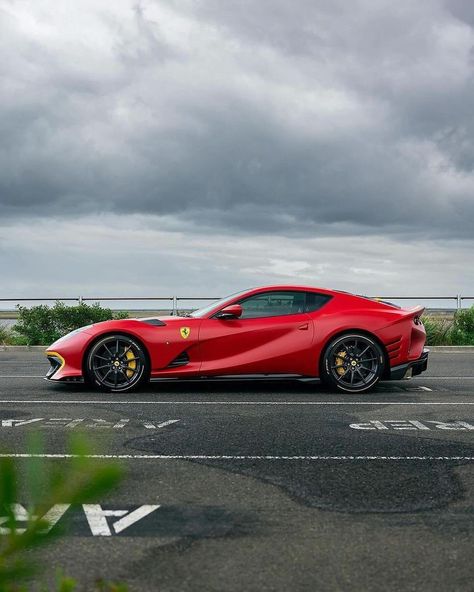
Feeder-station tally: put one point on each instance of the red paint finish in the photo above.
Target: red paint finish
(274, 345)
(284, 344)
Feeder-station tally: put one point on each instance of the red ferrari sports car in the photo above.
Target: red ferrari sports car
(350, 342)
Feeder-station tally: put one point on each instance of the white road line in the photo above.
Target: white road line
(230, 457)
(202, 381)
(446, 378)
(322, 403)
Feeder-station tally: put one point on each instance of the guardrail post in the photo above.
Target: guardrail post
(458, 301)
(175, 306)
(80, 300)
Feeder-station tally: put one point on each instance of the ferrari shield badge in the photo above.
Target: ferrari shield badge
(185, 332)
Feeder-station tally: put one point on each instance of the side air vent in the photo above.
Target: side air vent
(154, 322)
(393, 348)
(180, 360)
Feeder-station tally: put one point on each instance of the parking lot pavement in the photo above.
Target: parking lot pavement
(264, 486)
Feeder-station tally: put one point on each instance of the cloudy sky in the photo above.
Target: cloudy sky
(198, 147)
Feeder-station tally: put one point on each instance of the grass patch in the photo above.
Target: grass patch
(458, 331)
(9, 337)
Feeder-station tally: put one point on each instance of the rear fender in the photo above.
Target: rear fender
(345, 331)
(404, 338)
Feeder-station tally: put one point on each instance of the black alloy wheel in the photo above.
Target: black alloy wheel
(117, 363)
(353, 363)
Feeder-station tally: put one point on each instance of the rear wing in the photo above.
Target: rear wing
(413, 312)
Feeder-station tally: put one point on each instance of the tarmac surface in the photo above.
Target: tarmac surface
(245, 485)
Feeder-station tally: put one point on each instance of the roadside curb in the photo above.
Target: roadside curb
(451, 349)
(22, 348)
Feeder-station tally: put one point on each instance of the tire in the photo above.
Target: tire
(117, 363)
(352, 363)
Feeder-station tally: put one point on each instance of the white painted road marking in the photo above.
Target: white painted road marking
(97, 518)
(163, 424)
(20, 513)
(447, 378)
(229, 457)
(170, 380)
(135, 402)
(412, 424)
(67, 422)
(9, 423)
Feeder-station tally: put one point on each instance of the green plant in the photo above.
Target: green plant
(445, 331)
(4, 334)
(438, 330)
(41, 325)
(9, 337)
(77, 480)
(463, 326)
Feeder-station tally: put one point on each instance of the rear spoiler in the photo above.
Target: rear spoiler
(416, 311)
(413, 312)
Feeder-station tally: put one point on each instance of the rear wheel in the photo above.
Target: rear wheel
(353, 363)
(117, 363)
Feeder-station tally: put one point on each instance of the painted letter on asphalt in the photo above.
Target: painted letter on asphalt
(97, 518)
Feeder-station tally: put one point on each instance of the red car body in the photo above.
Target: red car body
(284, 344)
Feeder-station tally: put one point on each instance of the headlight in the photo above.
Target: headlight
(68, 335)
(76, 331)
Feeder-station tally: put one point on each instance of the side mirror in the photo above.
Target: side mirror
(234, 311)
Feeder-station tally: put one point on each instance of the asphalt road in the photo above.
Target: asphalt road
(264, 486)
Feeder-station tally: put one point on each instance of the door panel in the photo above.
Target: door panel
(271, 345)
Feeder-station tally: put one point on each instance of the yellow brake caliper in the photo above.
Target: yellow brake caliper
(132, 364)
(340, 361)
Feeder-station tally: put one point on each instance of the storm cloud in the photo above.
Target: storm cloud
(303, 120)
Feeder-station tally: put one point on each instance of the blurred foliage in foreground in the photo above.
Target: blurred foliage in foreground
(74, 480)
(41, 325)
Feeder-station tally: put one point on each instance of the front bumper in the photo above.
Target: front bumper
(65, 365)
(57, 363)
(410, 369)
(57, 371)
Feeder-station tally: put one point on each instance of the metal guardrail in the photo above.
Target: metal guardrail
(174, 300)
(458, 298)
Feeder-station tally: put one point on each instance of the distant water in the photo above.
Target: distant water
(7, 322)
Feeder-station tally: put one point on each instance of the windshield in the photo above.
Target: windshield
(204, 312)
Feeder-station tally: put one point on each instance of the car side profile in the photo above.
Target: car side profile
(349, 342)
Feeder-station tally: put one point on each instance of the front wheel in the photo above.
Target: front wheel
(353, 363)
(116, 363)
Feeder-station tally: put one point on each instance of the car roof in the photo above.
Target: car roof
(286, 287)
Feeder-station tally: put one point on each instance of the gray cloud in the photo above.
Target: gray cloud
(112, 255)
(298, 119)
(249, 115)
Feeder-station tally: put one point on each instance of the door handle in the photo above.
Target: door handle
(304, 327)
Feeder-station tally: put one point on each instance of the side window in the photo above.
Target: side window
(273, 304)
(315, 301)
